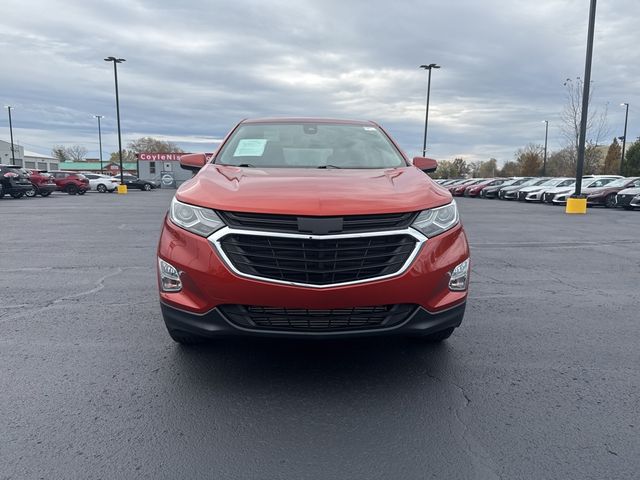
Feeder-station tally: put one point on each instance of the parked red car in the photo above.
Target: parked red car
(71, 182)
(43, 183)
(317, 228)
(474, 190)
(459, 190)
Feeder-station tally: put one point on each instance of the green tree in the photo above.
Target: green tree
(510, 169)
(153, 145)
(561, 163)
(612, 160)
(488, 169)
(474, 168)
(459, 168)
(127, 156)
(59, 152)
(631, 166)
(529, 160)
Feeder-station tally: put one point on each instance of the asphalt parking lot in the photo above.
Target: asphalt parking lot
(541, 380)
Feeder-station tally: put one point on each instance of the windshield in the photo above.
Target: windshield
(309, 145)
(596, 182)
(621, 182)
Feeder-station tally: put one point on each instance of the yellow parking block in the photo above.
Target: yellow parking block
(576, 205)
(122, 189)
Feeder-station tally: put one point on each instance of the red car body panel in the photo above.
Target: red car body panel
(425, 283)
(474, 190)
(312, 191)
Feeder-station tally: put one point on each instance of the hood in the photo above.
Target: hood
(319, 192)
(630, 191)
(561, 189)
(531, 188)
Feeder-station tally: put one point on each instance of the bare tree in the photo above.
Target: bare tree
(597, 128)
(74, 153)
(153, 145)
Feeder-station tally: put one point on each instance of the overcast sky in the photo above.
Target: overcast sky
(195, 68)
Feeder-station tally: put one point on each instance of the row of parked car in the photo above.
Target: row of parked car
(25, 182)
(605, 190)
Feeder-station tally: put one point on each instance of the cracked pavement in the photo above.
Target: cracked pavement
(541, 380)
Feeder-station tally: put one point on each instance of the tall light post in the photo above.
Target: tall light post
(624, 135)
(13, 154)
(100, 139)
(116, 61)
(576, 203)
(546, 135)
(426, 115)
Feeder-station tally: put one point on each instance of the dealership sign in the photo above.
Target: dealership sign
(160, 157)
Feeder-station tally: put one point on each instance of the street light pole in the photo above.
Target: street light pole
(426, 115)
(13, 154)
(546, 135)
(624, 137)
(585, 100)
(100, 140)
(116, 61)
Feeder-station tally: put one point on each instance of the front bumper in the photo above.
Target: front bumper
(46, 187)
(208, 282)
(214, 323)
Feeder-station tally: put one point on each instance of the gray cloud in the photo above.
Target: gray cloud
(195, 68)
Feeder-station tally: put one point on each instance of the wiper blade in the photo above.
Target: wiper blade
(328, 165)
(246, 165)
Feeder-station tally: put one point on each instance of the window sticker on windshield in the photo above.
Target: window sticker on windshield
(250, 147)
(369, 129)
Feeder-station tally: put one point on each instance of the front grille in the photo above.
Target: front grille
(291, 224)
(548, 197)
(317, 320)
(522, 195)
(624, 199)
(317, 261)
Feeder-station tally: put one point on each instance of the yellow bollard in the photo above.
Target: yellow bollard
(122, 189)
(576, 205)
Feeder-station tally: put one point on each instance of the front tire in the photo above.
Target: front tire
(31, 193)
(146, 187)
(610, 201)
(72, 189)
(101, 188)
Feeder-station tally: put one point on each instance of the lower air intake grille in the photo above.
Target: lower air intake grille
(317, 320)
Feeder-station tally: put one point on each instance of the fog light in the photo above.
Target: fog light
(169, 277)
(459, 275)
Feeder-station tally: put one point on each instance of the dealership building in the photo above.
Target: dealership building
(163, 169)
(25, 158)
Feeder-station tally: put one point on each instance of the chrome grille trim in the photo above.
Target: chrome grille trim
(216, 237)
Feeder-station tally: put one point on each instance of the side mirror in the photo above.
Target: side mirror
(425, 164)
(193, 161)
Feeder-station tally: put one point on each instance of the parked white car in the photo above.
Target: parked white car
(594, 182)
(534, 193)
(102, 183)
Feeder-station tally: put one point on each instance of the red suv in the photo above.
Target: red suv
(71, 182)
(317, 228)
(43, 183)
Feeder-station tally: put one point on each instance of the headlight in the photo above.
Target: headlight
(201, 221)
(435, 221)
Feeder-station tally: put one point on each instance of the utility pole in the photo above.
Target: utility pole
(426, 115)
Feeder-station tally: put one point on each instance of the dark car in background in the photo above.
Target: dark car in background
(606, 195)
(14, 181)
(42, 181)
(511, 192)
(491, 191)
(131, 181)
(71, 182)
